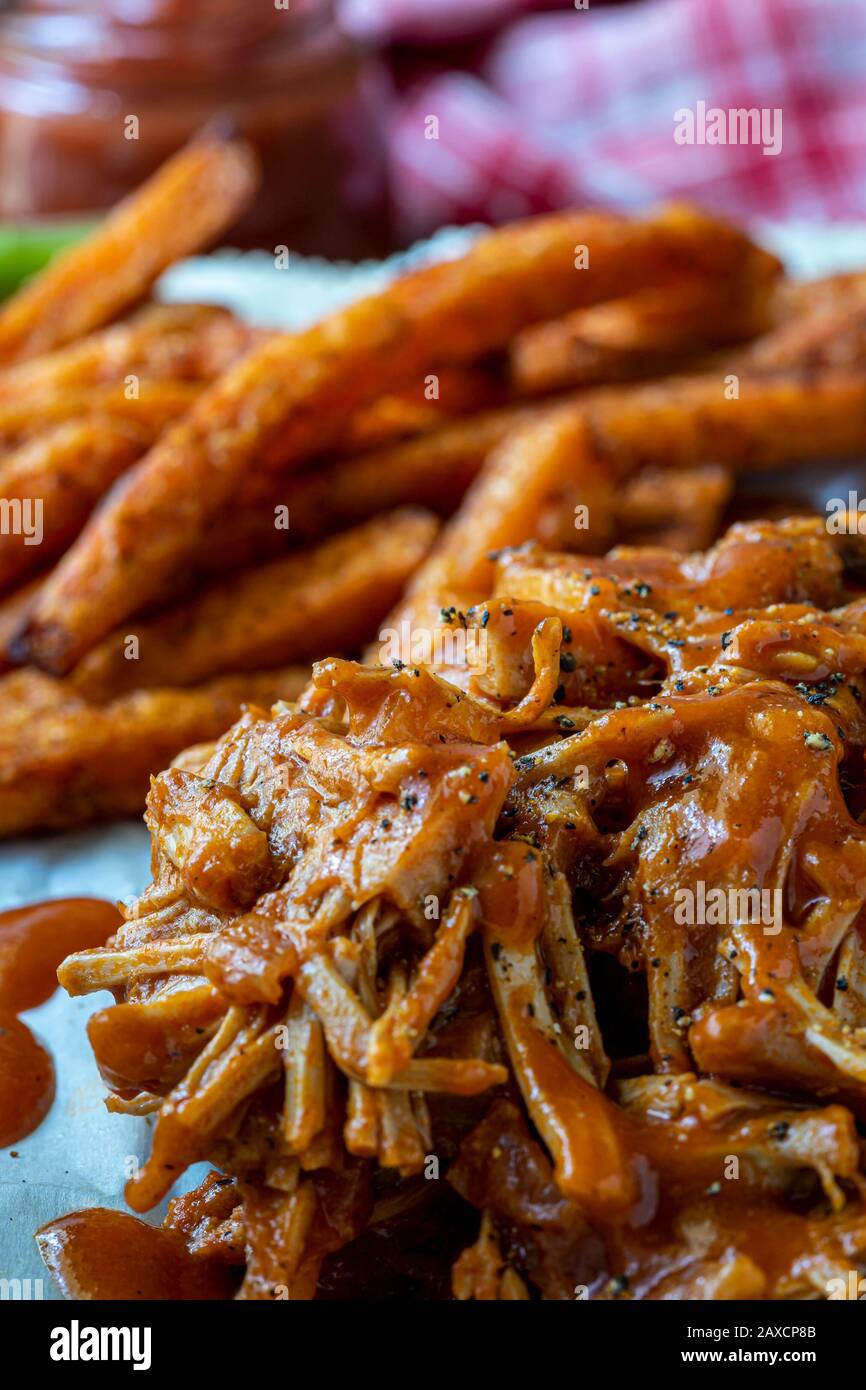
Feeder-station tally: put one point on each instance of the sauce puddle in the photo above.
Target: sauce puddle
(93, 1254)
(33, 942)
(102, 1254)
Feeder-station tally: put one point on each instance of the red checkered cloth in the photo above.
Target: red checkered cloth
(580, 107)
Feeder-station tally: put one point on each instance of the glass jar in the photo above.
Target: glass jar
(94, 94)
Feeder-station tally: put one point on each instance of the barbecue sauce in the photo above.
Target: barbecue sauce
(33, 942)
(94, 1254)
(96, 94)
(35, 939)
(102, 1254)
(26, 1080)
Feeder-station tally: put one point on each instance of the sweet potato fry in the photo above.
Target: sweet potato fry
(64, 762)
(657, 331)
(432, 471)
(181, 342)
(828, 331)
(293, 396)
(58, 478)
(681, 511)
(154, 405)
(570, 454)
(188, 202)
(309, 603)
(13, 608)
(798, 299)
(766, 423)
(649, 333)
(458, 391)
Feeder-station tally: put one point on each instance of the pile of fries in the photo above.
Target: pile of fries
(423, 911)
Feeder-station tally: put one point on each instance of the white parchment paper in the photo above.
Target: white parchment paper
(80, 1155)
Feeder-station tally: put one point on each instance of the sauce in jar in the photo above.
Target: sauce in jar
(95, 94)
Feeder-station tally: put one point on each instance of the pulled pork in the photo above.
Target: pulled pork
(577, 929)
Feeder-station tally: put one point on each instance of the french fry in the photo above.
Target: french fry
(681, 511)
(57, 478)
(292, 396)
(572, 454)
(432, 471)
(181, 342)
(320, 600)
(650, 333)
(458, 391)
(13, 607)
(64, 762)
(830, 331)
(182, 208)
(657, 331)
(153, 405)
